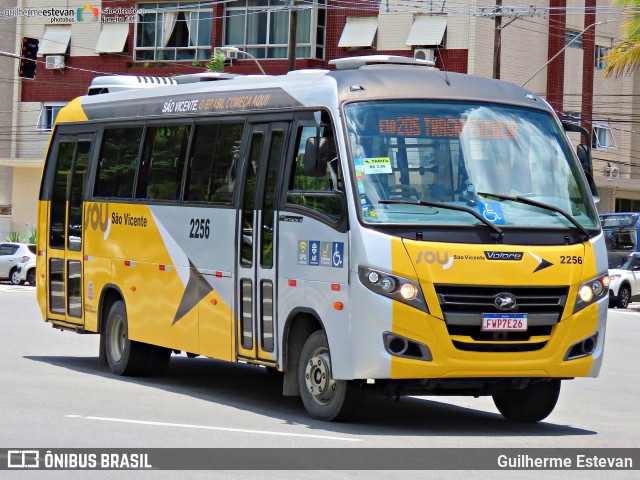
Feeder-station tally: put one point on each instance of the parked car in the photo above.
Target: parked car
(26, 272)
(625, 282)
(11, 255)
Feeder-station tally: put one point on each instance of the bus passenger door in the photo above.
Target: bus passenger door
(257, 233)
(66, 180)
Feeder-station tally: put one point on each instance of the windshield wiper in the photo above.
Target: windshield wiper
(459, 208)
(544, 206)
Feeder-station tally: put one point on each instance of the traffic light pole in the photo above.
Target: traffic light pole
(28, 59)
(7, 54)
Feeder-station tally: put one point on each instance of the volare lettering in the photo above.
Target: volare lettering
(513, 256)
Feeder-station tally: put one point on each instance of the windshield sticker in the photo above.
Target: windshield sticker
(491, 211)
(373, 166)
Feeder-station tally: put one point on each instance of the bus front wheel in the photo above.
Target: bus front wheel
(530, 404)
(323, 397)
(126, 357)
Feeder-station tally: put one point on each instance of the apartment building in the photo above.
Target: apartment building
(554, 47)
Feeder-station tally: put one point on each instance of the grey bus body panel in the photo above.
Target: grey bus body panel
(599, 248)
(322, 89)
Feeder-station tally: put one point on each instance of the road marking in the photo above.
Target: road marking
(627, 312)
(15, 289)
(208, 427)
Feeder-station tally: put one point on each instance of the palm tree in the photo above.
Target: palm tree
(624, 57)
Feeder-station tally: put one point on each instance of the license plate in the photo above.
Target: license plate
(495, 322)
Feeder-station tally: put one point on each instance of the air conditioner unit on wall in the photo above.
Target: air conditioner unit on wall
(425, 54)
(54, 62)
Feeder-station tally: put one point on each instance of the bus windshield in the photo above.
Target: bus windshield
(410, 156)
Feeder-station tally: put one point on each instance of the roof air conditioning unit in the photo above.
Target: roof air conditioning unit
(54, 62)
(425, 54)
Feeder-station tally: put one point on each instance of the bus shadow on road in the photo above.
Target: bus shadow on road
(252, 388)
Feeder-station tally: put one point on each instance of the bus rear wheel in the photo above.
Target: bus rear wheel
(530, 404)
(127, 357)
(323, 397)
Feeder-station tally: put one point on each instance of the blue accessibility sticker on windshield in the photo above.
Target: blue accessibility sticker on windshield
(491, 211)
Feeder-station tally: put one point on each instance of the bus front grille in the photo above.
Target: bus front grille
(463, 307)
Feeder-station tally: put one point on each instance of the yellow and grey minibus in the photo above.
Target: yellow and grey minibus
(382, 225)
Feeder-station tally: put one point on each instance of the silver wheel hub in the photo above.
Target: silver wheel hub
(318, 378)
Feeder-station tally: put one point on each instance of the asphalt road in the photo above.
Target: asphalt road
(54, 394)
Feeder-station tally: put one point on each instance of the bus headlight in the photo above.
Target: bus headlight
(586, 293)
(393, 286)
(408, 291)
(388, 284)
(592, 291)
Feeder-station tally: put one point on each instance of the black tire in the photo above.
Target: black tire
(126, 357)
(323, 397)
(624, 297)
(31, 277)
(530, 404)
(13, 276)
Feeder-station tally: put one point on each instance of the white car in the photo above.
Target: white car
(13, 254)
(625, 282)
(26, 272)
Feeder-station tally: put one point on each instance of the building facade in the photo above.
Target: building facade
(554, 47)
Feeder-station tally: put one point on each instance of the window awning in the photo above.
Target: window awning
(427, 30)
(359, 32)
(55, 40)
(113, 38)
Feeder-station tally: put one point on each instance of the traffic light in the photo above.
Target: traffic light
(28, 56)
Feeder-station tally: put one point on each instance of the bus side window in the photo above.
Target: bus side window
(316, 192)
(214, 156)
(57, 234)
(163, 156)
(117, 166)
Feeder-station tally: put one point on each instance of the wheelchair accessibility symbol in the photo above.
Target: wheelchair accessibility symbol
(492, 211)
(337, 258)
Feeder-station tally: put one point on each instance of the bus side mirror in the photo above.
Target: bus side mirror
(592, 186)
(316, 156)
(585, 161)
(583, 156)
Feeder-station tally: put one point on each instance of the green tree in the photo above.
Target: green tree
(216, 63)
(624, 57)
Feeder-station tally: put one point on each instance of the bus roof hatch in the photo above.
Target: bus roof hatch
(352, 63)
